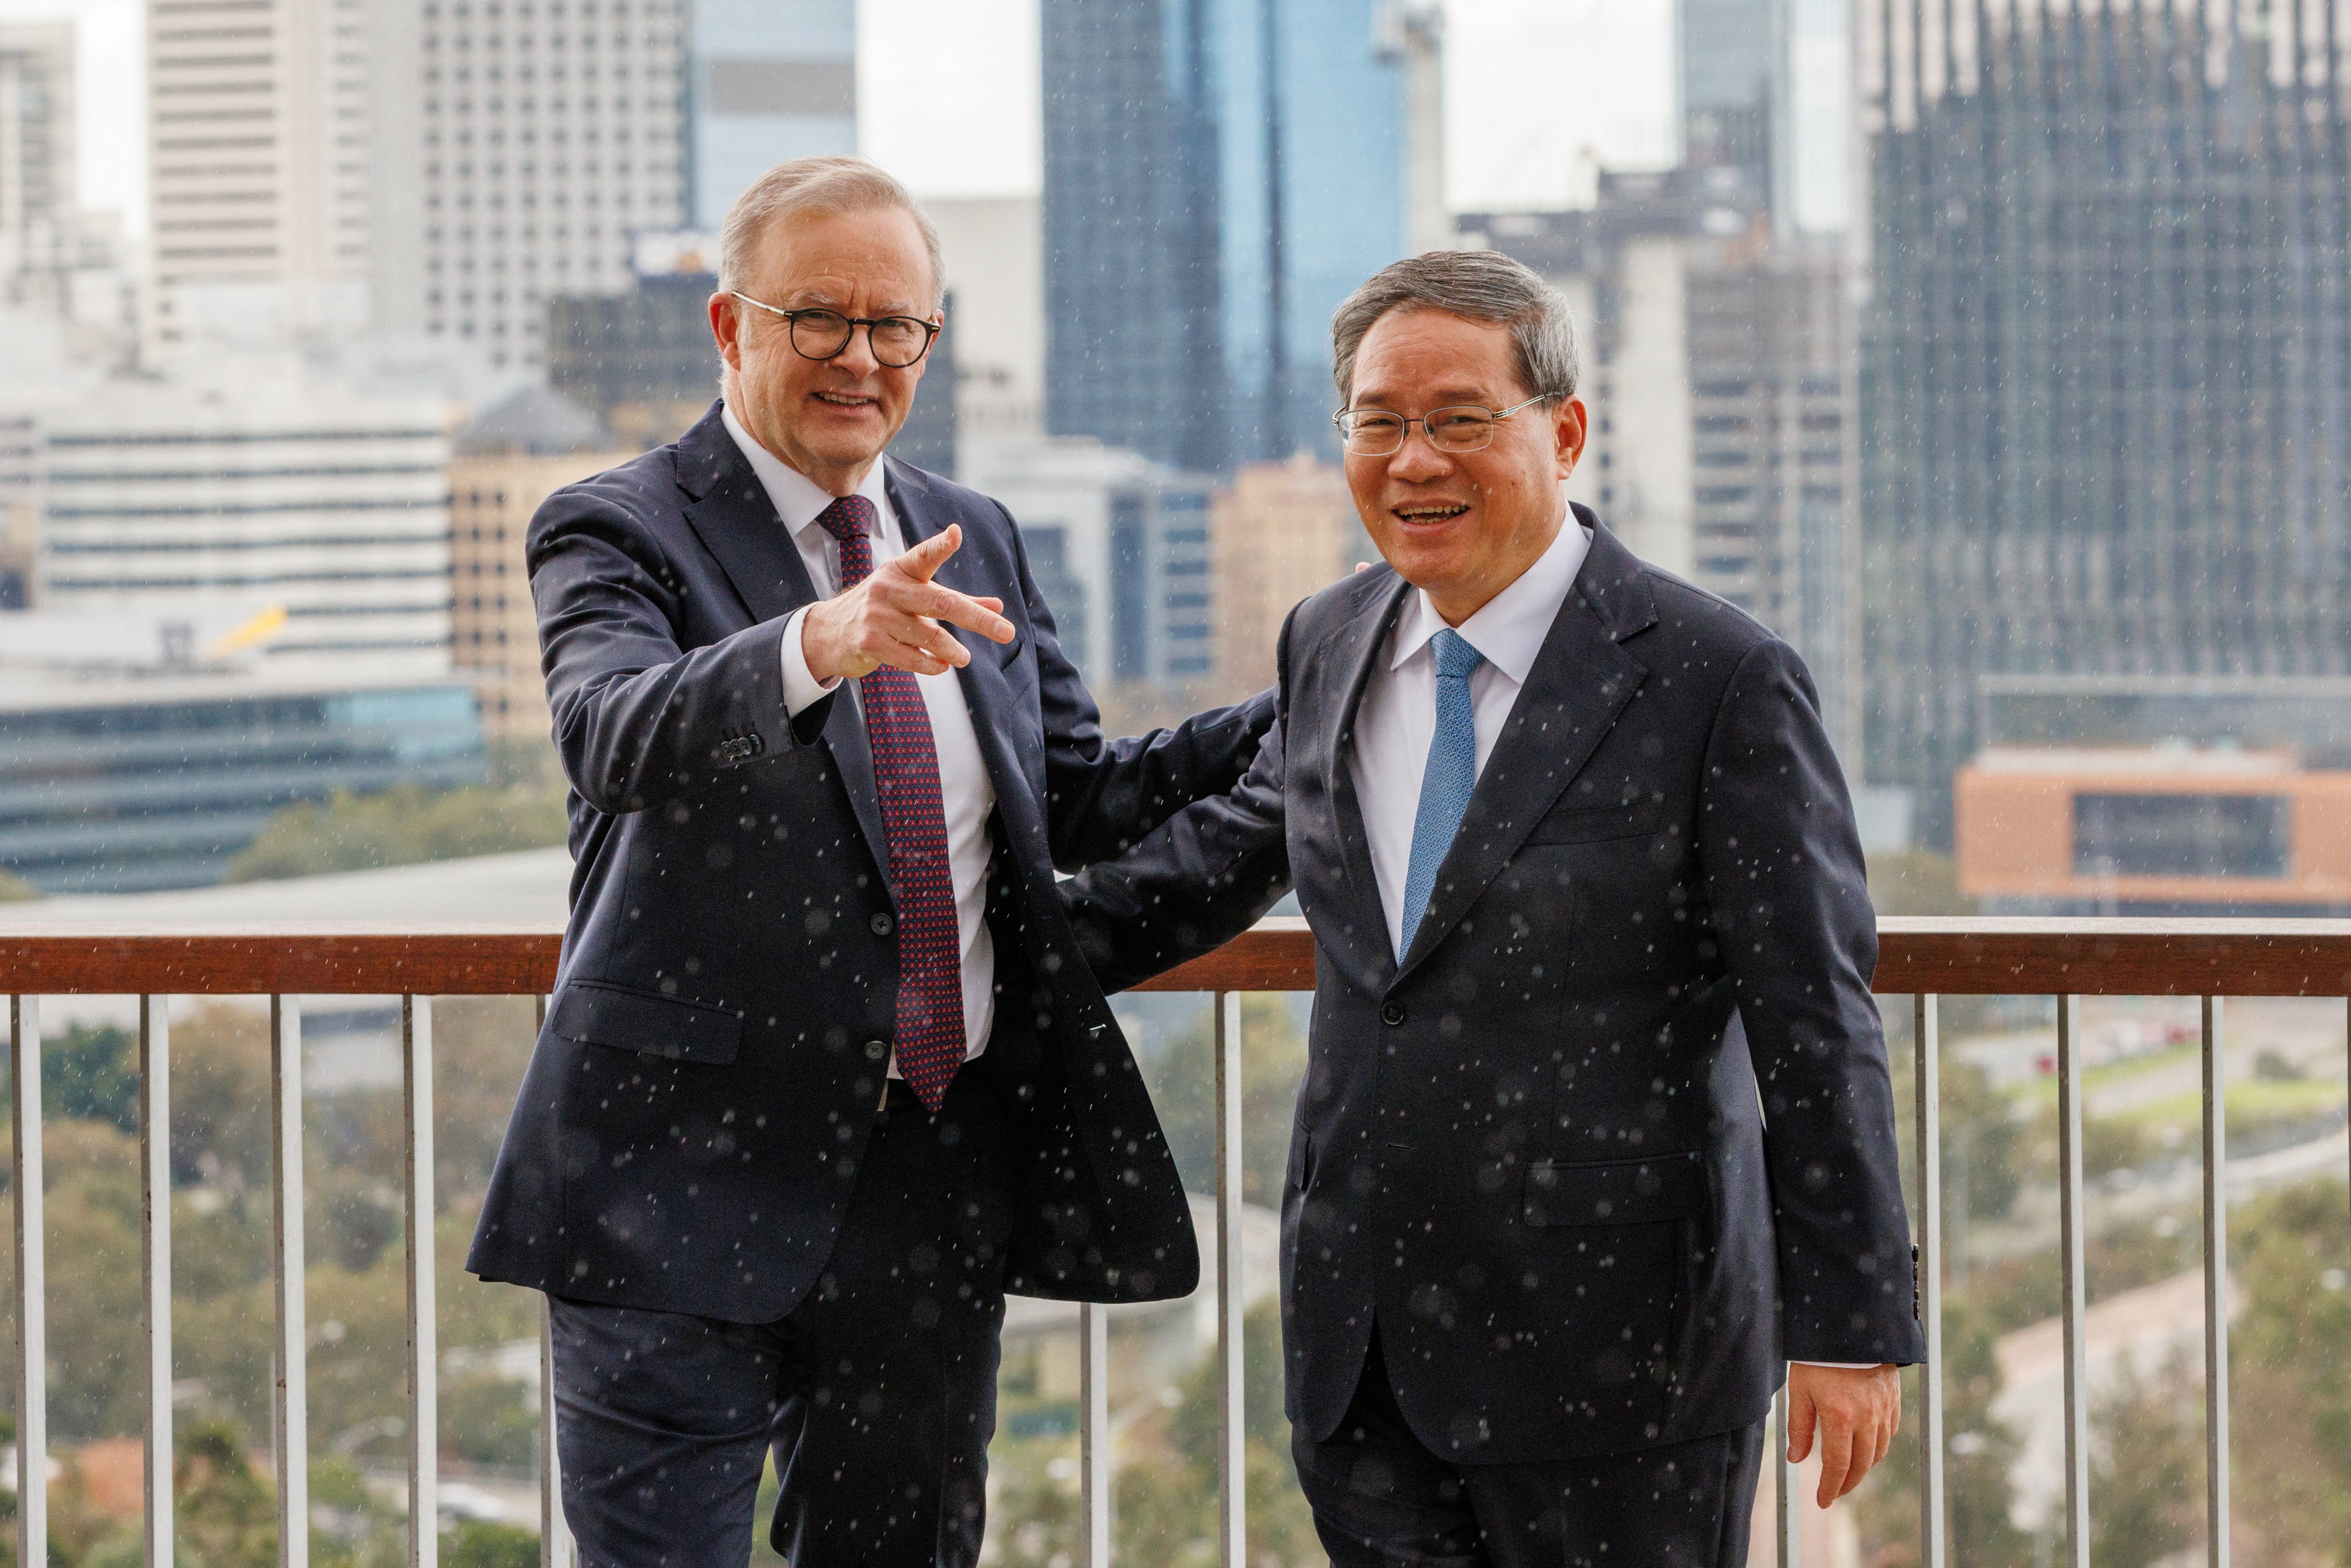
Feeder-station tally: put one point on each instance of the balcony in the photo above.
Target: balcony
(1923, 961)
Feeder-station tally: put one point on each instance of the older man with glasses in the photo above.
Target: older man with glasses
(1596, 1134)
(824, 1073)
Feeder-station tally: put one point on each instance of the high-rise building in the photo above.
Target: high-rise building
(1118, 547)
(258, 150)
(317, 517)
(524, 149)
(1279, 532)
(37, 147)
(1716, 362)
(1219, 175)
(1723, 67)
(2107, 357)
(767, 81)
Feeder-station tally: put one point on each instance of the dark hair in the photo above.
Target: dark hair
(1480, 286)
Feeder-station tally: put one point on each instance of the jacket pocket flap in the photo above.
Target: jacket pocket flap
(599, 1014)
(1595, 824)
(1615, 1192)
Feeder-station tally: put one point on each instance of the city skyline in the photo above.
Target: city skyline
(1540, 94)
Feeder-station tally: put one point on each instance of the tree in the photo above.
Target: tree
(14, 889)
(402, 826)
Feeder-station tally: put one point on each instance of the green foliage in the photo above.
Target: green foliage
(1917, 882)
(1166, 1512)
(91, 1074)
(2147, 1467)
(1980, 1452)
(1182, 1079)
(14, 889)
(2291, 1386)
(478, 1543)
(402, 826)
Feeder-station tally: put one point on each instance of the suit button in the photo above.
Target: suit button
(1391, 1012)
(882, 924)
(876, 1050)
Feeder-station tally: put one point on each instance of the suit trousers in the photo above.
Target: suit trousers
(1382, 1500)
(876, 1392)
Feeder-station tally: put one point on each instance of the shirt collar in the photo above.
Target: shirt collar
(1510, 628)
(800, 500)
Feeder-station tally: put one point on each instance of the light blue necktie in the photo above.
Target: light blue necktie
(1451, 774)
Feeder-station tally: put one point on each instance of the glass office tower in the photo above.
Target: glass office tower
(767, 80)
(2106, 403)
(1219, 175)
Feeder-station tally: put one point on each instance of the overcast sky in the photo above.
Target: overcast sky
(1539, 92)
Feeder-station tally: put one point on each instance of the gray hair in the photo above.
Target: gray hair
(1479, 286)
(828, 186)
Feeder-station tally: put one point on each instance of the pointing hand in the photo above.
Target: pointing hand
(894, 616)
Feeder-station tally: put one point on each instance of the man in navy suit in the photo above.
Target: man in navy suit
(824, 1074)
(1597, 1134)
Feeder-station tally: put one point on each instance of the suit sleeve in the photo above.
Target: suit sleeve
(638, 720)
(1202, 877)
(1104, 795)
(1791, 908)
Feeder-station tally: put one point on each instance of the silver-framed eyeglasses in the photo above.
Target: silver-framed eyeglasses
(820, 334)
(1462, 428)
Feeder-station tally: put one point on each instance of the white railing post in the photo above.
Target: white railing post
(1787, 1490)
(1232, 1391)
(1094, 1436)
(423, 1338)
(32, 1288)
(2216, 1287)
(1927, 1035)
(155, 1265)
(2072, 1285)
(290, 1403)
(554, 1545)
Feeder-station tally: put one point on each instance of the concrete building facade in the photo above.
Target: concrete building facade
(259, 151)
(504, 465)
(319, 517)
(1279, 532)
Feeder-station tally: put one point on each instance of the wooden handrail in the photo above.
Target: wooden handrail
(1962, 957)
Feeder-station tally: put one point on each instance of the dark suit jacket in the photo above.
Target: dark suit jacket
(691, 1123)
(1616, 1136)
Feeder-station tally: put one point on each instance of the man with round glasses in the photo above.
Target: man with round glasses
(1596, 1137)
(824, 1073)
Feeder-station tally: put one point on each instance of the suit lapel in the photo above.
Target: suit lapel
(1351, 653)
(736, 519)
(1579, 685)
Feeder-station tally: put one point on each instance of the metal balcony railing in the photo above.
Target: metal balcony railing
(1923, 958)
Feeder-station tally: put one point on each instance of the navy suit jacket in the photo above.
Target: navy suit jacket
(691, 1123)
(1615, 1138)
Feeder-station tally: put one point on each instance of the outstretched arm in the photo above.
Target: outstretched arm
(1204, 876)
(1102, 796)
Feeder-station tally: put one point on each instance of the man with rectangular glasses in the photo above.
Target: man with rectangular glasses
(824, 1074)
(1596, 1136)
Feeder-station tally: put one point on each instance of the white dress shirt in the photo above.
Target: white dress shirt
(964, 789)
(1398, 715)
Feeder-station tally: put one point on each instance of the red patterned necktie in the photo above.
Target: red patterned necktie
(913, 819)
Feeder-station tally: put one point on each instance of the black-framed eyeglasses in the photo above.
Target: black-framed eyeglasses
(1462, 428)
(820, 334)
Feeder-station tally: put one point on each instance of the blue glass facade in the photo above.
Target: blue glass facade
(767, 81)
(1219, 175)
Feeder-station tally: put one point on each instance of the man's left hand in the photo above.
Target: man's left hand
(1853, 1411)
